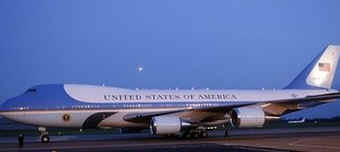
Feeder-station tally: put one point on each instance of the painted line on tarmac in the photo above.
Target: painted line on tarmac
(91, 146)
(259, 146)
(297, 144)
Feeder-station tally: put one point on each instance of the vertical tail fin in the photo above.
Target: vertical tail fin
(320, 72)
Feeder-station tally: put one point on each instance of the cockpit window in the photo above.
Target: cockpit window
(31, 90)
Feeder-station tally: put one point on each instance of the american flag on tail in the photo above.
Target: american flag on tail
(326, 67)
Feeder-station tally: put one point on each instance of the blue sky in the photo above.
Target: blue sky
(203, 44)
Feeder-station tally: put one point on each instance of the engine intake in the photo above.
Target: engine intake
(246, 117)
(167, 125)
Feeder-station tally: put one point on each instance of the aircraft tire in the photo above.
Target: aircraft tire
(226, 133)
(45, 139)
(205, 134)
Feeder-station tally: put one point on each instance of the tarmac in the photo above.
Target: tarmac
(248, 140)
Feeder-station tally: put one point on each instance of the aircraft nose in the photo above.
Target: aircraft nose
(4, 107)
(10, 105)
(11, 109)
(1, 109)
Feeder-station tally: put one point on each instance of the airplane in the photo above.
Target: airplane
(297, 121)
(184, 113)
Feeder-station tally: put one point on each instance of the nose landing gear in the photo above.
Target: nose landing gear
(44, 138)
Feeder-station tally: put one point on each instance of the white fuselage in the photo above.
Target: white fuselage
(89, 100)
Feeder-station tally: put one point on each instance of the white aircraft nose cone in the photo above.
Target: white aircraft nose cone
(1, 108)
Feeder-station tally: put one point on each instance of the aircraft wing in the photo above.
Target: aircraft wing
(144, 117)
(316, 98)
(281, 107)
(323, 97)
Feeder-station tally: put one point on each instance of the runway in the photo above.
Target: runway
(302, 139)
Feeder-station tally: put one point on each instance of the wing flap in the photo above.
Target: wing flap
(145, 117)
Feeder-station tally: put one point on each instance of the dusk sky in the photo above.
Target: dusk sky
(229, 44)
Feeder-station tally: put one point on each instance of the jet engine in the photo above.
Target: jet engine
(167, 125)
(252, 116)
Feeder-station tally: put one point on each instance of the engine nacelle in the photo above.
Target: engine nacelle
(167, 125)
(244, 117)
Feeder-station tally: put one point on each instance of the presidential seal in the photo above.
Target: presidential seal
(66, 117)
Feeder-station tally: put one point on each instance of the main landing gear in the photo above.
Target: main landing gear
(44, 138)
(226, 133)
(195, 133)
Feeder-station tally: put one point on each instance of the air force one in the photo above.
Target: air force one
(187, 113)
